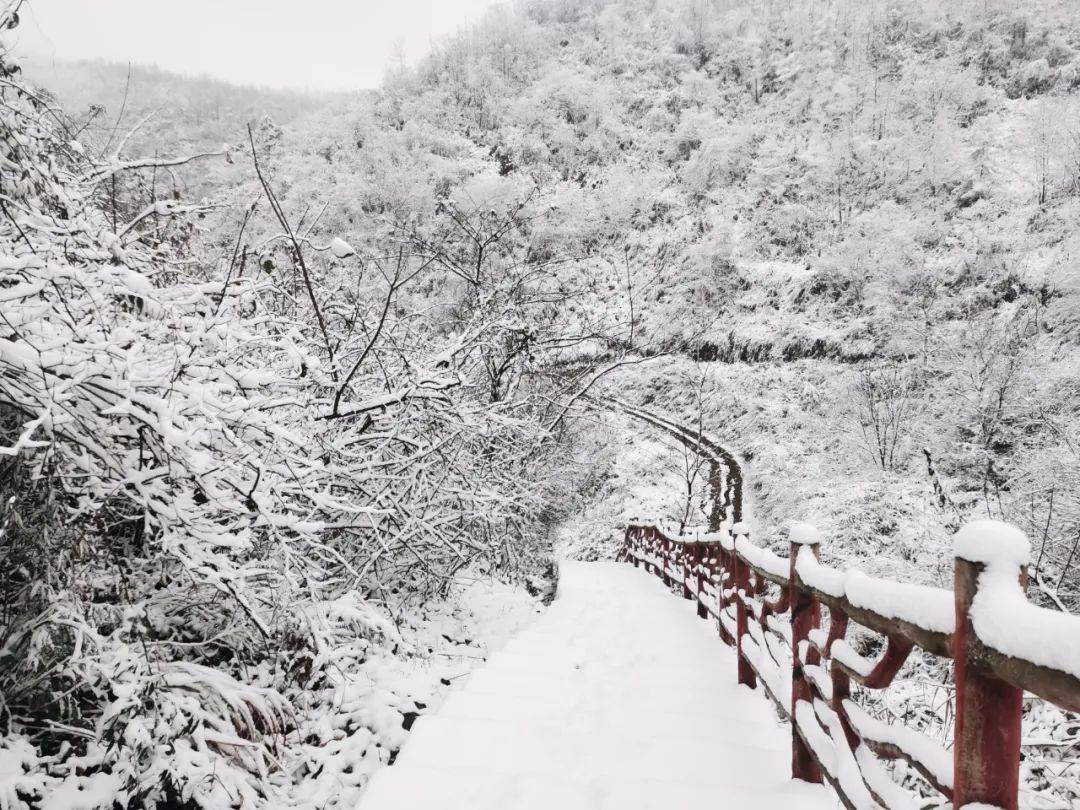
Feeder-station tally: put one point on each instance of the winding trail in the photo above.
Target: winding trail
(725, 473)
(617, 698)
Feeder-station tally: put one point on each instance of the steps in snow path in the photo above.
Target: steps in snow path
(617, 698)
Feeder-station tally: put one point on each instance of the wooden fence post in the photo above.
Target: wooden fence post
(666, 546)
(703, 552)
(724, 567)
(805, 616)
(986, 742)
(742, 622)
(686, 561)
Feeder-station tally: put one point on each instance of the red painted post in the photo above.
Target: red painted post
(687, 563)
(665, 558)
(661, 556)
(700, 565)
(742, 621)
(805, 616)
(725, 567)
(986, 742)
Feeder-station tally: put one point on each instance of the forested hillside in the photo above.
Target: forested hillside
(155, 111)
(294, 390)
(859, 215)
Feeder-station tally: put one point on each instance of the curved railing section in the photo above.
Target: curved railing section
(789, 618)
(725, 472)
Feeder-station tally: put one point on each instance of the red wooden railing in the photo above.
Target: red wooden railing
(788, 620)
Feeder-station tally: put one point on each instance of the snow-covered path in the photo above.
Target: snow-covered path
(617, 698)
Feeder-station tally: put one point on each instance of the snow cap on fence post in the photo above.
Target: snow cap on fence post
(986, 736)
(740, 528)
(803, 534)
(992, 543)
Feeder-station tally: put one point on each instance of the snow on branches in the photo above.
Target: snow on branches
(209, 473)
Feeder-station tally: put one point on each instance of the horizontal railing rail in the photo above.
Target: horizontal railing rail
(789, 618)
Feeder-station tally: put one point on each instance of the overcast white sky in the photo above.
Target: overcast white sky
(316, 44)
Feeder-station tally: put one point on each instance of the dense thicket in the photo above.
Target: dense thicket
(222, 471)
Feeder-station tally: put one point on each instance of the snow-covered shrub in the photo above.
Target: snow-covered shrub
(206, 471)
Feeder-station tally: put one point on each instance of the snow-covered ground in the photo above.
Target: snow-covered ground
(617, 697)
(358, 724)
